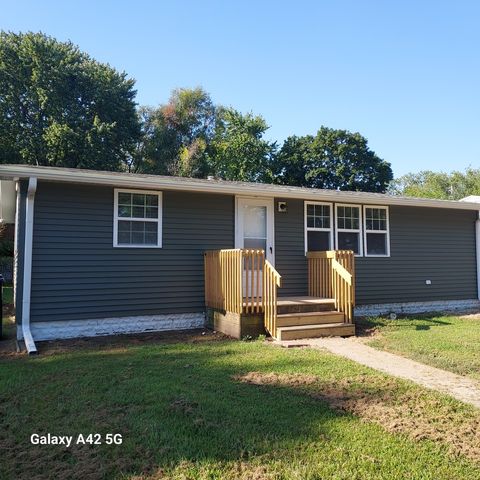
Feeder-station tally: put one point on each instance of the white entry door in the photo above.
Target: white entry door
(254, 225)
(254, 230)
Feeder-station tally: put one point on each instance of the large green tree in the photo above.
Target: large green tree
(446, 186)
(335, 159)
(176, 135)
(239, 150)
(59, 107)
(191, 136)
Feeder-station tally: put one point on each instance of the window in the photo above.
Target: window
(348, 229)
(137, 219)
(318, 226)
(376, 228)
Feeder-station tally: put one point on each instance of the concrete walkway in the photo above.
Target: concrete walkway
(461, 388)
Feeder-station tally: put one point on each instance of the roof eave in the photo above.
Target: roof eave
(166, 183)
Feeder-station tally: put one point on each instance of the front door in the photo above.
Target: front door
(254, 230)
(254, 226)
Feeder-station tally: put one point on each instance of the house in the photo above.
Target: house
(101, 252)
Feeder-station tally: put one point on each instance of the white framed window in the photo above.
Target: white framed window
(137, 219)
(376, 231)
(348, 231)
(318, 226)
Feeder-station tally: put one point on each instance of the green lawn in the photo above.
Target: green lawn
(225, 410)
(7, 294)
(448, 342)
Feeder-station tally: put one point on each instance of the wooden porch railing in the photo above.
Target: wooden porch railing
(271, 280)
(242, 281)
(223, 280)
(331, 274)
(253, 264)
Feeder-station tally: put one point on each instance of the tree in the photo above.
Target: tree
(238, 150)
(335, 159)
(446, 186)
(176, 135)
(60, 107)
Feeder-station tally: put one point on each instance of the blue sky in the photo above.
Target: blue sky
(405, 74)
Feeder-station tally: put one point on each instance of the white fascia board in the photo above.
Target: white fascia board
(221, 187)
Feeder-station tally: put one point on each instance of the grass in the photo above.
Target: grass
(447, 342)
(226, 410)
(8, 319)
(7, 294)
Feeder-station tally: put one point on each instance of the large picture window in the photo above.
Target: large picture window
(348, 228)
(137, 219)
(318, 226)
(376, 228)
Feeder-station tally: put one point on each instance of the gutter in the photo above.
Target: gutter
(157, 182)
(27, 267)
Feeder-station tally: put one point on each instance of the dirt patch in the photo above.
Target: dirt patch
(471, 316)
(116, 342)
(277, 379)
(387, 402)
(183, 405)
(365, 330)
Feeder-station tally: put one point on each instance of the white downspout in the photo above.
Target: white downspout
(477, 235)
(27, 266)
(15, 241)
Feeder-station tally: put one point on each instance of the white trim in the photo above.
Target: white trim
(131, 180)
(365, 231)
(269, 204)
(15, 243)
(27, 266)
(477, 236)
(116, 218)
(350, 230)
(56, 330)
(306, 228)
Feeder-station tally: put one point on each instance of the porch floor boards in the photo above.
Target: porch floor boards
(299, 300)
(303, 300)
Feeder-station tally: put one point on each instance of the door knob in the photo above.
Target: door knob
(271, 250)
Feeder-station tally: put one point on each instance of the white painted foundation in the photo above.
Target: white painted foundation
(115, 326)
(417, 307)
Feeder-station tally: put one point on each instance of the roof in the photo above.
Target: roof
(136, 180)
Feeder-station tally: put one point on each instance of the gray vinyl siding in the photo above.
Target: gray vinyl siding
(290, 258)
(20, 253)
(78, 274)
(426, 244)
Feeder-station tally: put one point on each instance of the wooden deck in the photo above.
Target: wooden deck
(241, 286)
(304, 300)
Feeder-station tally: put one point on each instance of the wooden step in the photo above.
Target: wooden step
(303, 304)
(309, 318)
(315, 331)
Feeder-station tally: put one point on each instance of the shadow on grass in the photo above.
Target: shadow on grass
(171, 404)
(196, 405)
(367, 326)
